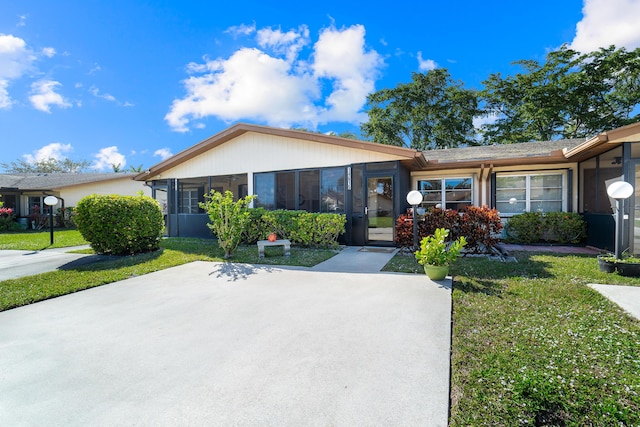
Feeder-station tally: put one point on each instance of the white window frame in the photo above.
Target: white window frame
(443, 189)
(528, 175)
(187, 202)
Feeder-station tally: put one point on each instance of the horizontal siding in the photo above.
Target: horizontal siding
(253, 152)
(123, 187)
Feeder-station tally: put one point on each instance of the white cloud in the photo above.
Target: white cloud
(5, 99)
(55, 150)
(274, 85)
(241, 30)
(49, 52)
(96, 92)
(607, 22)
(44, 96)
(341, 56)
(288, 44)
(108, 157)
(22, 20)
(426, 64)
(163, 153)
(15, 57)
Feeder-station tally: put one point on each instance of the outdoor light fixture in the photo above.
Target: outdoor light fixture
(619, 190)
(414, 198)
(51, 201)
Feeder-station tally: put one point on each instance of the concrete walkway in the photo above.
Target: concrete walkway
(627, 297)
(14, 264)
(234, 344)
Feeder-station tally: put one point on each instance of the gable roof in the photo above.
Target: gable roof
(242, 128)
(55, 181)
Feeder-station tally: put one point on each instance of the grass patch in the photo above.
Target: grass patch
(37, 240)
(175, 251)
(533, 345)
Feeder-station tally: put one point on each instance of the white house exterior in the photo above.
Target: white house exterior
(368, 182)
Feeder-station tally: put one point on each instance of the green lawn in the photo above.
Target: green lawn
(39, 240)
(533, 345)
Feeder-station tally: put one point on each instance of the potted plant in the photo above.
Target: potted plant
(626, 265)
(436, 255)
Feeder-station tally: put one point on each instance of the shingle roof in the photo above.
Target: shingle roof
(496, 152)
(52, 181)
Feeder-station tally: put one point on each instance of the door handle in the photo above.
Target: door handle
(366, 210)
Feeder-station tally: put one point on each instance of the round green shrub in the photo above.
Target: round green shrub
(120, 225)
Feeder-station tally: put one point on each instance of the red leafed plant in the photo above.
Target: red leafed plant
(481, 226)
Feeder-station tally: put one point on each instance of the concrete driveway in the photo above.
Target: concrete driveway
(232, 345)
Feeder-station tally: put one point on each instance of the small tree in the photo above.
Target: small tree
(229, 218)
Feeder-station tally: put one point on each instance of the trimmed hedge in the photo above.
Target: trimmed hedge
(550, 227)
(300, 227)
(479, 225)
(120, 225)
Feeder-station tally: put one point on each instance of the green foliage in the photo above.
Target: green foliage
(434, 250)
(556, 99)
(564, 227)
(120, 225)
(525, 228)
(552, 227)
(229, 218)
(432, 111)
(300, 227)
(66, 217)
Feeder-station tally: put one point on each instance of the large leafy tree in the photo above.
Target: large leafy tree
(431, 111)
(49, 165)
(571, 95)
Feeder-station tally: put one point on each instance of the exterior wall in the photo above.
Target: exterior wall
(482, 179)
(253, 152)
(124, 187)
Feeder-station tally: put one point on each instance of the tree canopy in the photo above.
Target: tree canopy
(432, 111)
(571, 95)
(50, 165)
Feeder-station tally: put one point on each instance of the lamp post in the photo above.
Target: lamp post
(414, 198)
(619, 190)
(51, 201)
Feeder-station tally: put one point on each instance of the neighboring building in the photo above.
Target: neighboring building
(368, 182)
(24, 191)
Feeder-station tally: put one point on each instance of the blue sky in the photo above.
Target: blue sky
(131, 82)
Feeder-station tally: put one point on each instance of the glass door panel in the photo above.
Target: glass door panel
(380, 215)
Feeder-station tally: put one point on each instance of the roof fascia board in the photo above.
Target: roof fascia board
(241, 128)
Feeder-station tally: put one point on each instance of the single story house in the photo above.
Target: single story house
(25, 192)
(368, 182)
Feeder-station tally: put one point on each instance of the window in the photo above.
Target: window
(309, 192)
(192, 191)
(264, 186)
(542, 192)
(36, 205)
(449, 193)
(332, 190)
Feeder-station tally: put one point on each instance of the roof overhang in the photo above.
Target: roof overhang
(604, 142)
(412, 157)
